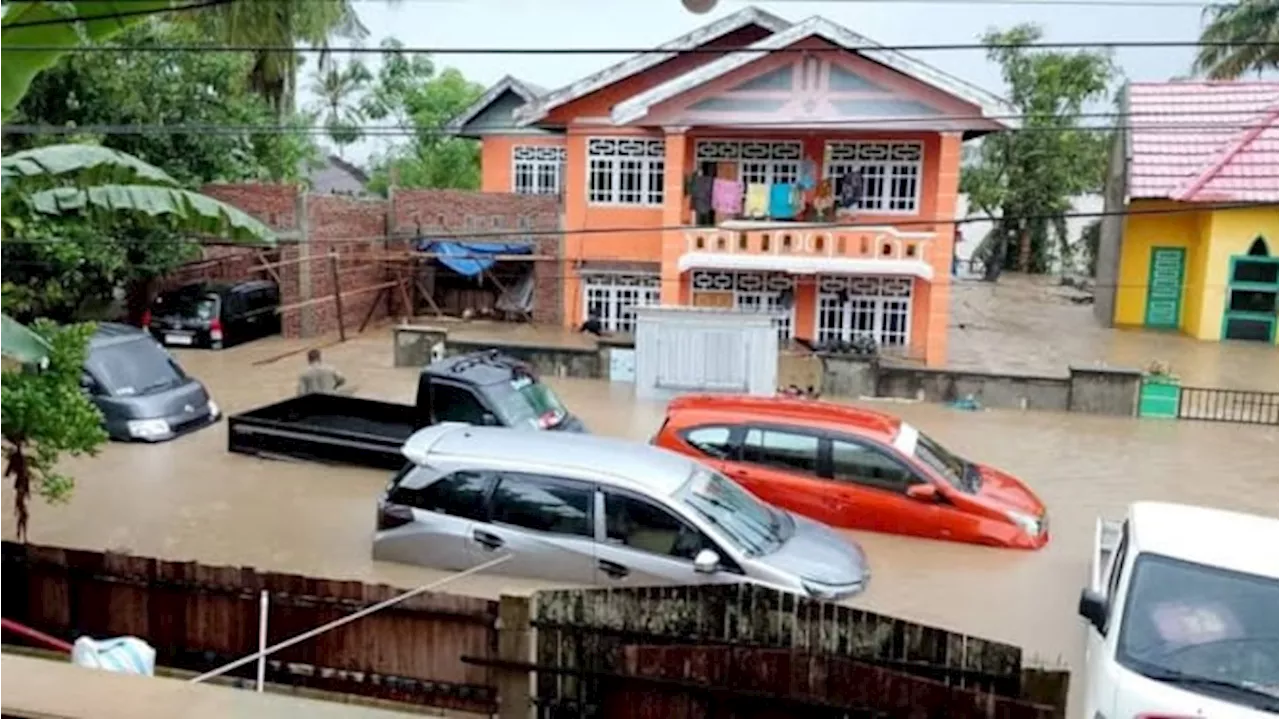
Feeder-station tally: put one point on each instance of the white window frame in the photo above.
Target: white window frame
(876, 301)
(754, 292)
(618, 295)
(767, 162)
(626, 171)
(542, 166)
(880, 161)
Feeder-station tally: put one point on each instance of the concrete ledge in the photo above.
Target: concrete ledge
(413, 345)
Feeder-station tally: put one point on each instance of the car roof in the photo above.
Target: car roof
(109, 334)
(216, 287)
(486, 367)
(1214, 537)
(628, 465)
(803, 412)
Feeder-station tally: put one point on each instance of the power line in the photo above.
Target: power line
(113, 16)
(781, 227)
(1050, 3)
(355, 50)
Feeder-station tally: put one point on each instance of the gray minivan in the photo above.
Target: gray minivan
(140, 389)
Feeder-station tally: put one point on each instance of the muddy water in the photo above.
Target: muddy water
(190, 499)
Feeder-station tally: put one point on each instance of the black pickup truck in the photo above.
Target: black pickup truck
(483, 388)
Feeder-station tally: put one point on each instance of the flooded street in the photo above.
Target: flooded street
(191, 500)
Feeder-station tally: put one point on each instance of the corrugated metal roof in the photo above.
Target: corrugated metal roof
(1204, 141)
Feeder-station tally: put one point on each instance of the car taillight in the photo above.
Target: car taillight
(391, 516)
(215, 329)
(146, 319)
(547, 420)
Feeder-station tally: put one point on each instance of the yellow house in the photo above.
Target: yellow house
(1190, 239)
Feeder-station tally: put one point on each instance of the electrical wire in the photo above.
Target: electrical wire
(204, 4)
(1032, 3)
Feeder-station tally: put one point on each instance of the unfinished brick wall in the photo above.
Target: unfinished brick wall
(486, 214)
(360, 230)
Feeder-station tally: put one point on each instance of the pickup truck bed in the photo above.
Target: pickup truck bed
(326, 427)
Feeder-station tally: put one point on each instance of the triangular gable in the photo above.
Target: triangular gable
(506, 90)
(855, 78)
(637, 64)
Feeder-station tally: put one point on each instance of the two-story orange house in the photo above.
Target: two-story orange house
(747, 102)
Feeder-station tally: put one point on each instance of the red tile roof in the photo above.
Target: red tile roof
(1204, 141)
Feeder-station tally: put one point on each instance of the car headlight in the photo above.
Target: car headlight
(1025, 522)
(147, 428)
(213, 409)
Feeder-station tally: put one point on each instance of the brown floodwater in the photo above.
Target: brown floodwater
(192, 500)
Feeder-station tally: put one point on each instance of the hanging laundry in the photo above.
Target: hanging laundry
(701, 194)
(808, 175)
(782, 205)
(850, 190)
(757, 202)
(726, 196)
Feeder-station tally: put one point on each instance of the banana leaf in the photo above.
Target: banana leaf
(185, 210)
(44, 167)
(21, 344)
(57, 26)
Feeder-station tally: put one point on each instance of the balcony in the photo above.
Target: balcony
(801, 249)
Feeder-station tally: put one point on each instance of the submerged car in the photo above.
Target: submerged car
(1181, 612)
(851, 467)
(215, 315)
(593, 510)
(141, 390)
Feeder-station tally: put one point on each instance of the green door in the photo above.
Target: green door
(1164, 287)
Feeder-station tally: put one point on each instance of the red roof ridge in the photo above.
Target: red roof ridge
(1265, 120)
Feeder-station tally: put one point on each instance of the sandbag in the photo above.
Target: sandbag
(127, 655)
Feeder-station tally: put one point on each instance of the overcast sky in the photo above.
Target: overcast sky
(645, 23)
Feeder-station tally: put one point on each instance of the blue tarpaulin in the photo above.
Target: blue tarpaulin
(471, 258)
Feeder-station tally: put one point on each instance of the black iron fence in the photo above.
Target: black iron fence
(1229, 405)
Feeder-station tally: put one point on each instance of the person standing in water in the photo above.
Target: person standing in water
(319, 377)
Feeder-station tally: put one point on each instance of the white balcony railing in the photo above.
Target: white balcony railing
(782, 238)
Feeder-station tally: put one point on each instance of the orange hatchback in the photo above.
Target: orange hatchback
(853, 468)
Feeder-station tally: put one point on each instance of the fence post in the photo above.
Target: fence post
(515, 644)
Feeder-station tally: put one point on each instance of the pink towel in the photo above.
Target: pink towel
(726, 196)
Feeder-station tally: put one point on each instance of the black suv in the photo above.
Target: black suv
(214, 315)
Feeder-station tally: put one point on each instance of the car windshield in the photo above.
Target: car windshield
(751, 525)
(934, 456)
(133, 368)
(190, 305)
(524, 400)
(1203, 629)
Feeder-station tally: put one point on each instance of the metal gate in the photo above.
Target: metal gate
(684, 349)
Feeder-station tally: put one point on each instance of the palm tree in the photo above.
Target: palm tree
(1247, 31)
(340, 89)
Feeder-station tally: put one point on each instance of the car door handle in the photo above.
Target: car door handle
(489, 541)
(613, 569)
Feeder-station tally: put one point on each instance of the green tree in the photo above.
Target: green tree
(44, 415)
(167, 87)
(340, 89)
(409, 93)
(1024, 179)
(1247, 30)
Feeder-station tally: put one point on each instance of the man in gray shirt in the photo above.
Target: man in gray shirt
(319, 377)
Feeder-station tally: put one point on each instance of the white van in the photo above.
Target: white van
(1182, 613)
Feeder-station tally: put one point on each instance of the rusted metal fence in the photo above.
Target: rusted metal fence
(200, 617)
(1229, 405)
(752, 652)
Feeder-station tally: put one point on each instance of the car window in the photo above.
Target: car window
(711, 441)
(643, 525)
(137, 367)
(1117, 562)
(782, 449)
(864, 464)
(544, 504)
(455, 404)
(461, 494)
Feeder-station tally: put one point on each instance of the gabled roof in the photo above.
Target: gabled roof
(527, 91)
(1203, 141)
(639, 63)
(816, 26)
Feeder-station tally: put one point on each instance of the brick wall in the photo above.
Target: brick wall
(422, 212)
(359, 230)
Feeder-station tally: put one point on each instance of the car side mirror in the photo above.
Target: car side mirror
(87, 384)
(1093, 607)
(924, 492)
(488, 420)
(707, 562)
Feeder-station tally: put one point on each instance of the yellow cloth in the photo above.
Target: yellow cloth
(757, 202)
